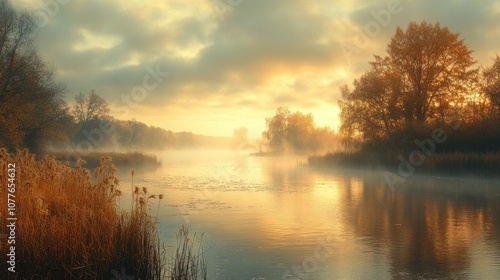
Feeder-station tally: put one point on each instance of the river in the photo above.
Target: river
(277, 218)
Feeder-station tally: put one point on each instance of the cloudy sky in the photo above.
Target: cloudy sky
(210, 66)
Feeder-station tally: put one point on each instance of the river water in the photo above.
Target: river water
(277, 218)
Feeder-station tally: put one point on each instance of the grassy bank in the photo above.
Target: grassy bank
(451, 164)
(93, 159)
(68, 226)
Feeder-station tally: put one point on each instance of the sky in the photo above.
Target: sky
(210, 66)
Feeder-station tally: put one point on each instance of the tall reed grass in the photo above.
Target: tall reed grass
(69, 227)
(186, 264)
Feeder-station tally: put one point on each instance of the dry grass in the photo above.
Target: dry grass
(186, 264)
(68, 225)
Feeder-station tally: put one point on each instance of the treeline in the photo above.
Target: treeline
(110, 134)
(93, 128)
(428, 80)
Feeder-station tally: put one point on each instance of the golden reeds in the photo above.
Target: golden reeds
(187, 265)
(68, 225)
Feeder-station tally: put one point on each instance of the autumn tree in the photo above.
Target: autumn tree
(418, 82)
(91, 107)
(32, 110)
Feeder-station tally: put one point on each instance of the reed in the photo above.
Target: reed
(68, 225)
(187, 265)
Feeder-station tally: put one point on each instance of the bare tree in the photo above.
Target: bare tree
(31, 103)
(92, 107)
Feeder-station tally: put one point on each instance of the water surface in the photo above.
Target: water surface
(275, 218)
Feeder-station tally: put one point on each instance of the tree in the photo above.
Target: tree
(276, 129)
(419, 82)
(299, 131)
(492, 84)
(93, 107)
(296, 132)
(32, 110)
(373, 109)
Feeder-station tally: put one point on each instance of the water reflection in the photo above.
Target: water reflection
(430, 225)
(264, 216)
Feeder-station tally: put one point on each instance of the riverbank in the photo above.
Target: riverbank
(450, 164)
(68, 227)
(65, 224)
(134, 160)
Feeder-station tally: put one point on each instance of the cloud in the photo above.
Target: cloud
(255, 55)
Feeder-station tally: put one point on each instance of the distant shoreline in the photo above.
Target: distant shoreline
(447, 164)
(93, 159)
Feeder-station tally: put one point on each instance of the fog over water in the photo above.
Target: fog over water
(277, 218)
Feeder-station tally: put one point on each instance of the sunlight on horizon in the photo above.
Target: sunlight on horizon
(222, 58)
